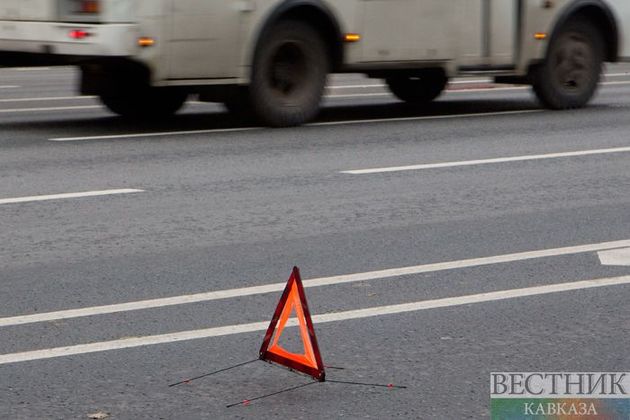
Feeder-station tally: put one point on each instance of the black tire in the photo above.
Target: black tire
(146, 104)
(570, 74)
(288, 75)
(420, 88)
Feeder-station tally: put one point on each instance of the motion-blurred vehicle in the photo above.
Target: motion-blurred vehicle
(269, 59)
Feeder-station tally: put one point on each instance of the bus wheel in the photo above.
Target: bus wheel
(419, 88)
(569, 76)
(289, 75)
(152, 103)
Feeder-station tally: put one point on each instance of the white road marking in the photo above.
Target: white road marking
(49, 109)
(127, 343)
(156, 134)
(66, 196)
(50, 98)
(28, 68)
(620, 257)
(317, 282)
(460, 91)
(358, 95)
(329, 96)
(615, 83)
(333, 123)
(382, 85)
(448, 91)
(427, 117)
(487, 161)
(457, 81)
(366, 86)
(9, 87)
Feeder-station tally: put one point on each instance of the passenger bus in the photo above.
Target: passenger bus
(269, 59)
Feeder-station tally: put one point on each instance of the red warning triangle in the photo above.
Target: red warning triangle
(293, 300)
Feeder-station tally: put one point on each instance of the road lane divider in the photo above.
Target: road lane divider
(349, 96)
(457, 81)
(319, 124)
(426, 118)
(27, 69)
(479, 162)
(341, 87)
(49, 109)
(316, 282)
(127, 343)
(154, 134)
(64, 196)
(48, 98)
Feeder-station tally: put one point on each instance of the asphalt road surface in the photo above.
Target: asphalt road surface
(438, 245)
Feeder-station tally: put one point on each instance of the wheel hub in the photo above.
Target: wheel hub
(573, 62)
(288, 69)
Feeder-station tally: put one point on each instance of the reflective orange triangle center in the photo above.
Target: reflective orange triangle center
(293, 300)
(293, 303)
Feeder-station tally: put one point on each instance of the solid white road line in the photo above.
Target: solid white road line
(339, 87)
(358, 95)
(318, 319)
(50, 98)
(332, 123)
(156, 134)
(459, 91)
(28, 68)
(66, 196)
(424, 118)
(457, 81)
(487, 161)
(317, 282)
(49, 109)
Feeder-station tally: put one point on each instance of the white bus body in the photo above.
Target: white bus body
(267, 57)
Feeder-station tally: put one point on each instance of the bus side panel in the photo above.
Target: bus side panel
(32, 10)
(502, 32)
(153, 19)
(621, 10)
(468, 30)
(409, 30)
(535, 18)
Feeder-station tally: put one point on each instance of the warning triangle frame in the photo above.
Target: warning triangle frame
(318, 373)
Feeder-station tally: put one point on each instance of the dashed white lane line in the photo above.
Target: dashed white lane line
(318, 319)
(8, 87)
(331, 123)
(317, 282)
(67, 196)
(487, 161)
